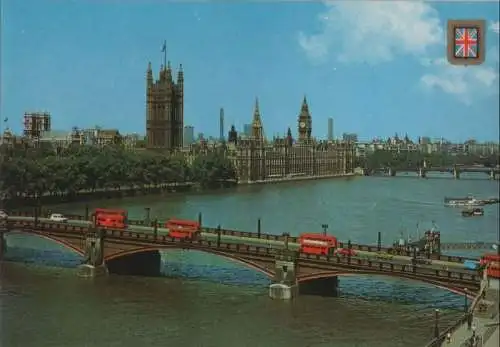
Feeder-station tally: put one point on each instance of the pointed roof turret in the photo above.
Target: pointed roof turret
(180, 74)
(256, 113)
(168, 71)
(257, 131)
(289, 137)
(162, 68)
(149, 74)
(305, 106)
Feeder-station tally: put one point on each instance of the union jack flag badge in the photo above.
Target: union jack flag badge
(466, 42)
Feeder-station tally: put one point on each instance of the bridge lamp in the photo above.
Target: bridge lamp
(436, 322)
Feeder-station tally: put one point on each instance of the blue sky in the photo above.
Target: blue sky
(377, 68)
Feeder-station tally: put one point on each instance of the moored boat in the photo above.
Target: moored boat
(473, 212)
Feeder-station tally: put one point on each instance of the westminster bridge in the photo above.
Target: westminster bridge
(135, 250)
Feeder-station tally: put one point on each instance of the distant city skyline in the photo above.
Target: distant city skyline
(87, 75)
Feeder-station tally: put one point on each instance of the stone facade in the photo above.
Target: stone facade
(258, 160)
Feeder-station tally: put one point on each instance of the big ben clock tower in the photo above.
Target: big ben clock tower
(305, 122)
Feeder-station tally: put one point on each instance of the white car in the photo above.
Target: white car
(57, 217)
(3, 214)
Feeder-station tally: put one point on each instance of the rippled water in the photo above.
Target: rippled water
(206, 301)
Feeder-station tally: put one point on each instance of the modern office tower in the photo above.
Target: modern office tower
(221, 124)
(330, 129)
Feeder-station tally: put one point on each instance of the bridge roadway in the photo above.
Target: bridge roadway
(211, 235)
(294, 239)
(305, 268)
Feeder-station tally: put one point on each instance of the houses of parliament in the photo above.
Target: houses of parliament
(255, 158)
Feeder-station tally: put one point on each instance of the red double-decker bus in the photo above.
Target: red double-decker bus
(182, 228)
(111, 218)
(314, 243)
(492, 263)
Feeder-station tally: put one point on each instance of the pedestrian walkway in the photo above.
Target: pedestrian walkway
(464, 333)
(494, 340)
(481, 321)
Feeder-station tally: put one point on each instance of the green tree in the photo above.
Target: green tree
(26, 171)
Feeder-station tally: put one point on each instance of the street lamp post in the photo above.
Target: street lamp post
(465, 300)
(325, 227)
(285, 240)
(436, 323)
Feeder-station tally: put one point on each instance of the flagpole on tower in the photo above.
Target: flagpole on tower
(164, 50)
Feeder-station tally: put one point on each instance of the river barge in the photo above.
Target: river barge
(467, 201)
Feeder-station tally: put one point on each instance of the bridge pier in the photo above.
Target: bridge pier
(456, 173)
(392, 172)
(422, 173)
(93, 265)
(493, 176)
(284, 286)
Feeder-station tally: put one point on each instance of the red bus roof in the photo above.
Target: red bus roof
(184, 222)
(110, 211)
(317, 236)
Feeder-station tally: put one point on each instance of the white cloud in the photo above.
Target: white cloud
(373, 32)
(495, 27)
(378, 31)
(466, 83)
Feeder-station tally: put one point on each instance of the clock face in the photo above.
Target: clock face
(302, 124)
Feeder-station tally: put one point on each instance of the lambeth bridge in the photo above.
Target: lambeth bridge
(455, 170)
(135, 250)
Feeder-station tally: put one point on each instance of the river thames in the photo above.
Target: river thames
(206, 301)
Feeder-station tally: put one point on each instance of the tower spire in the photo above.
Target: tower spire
(257, 131)
(180, 76)
(256, 112)
(305, 106)
(168, 71)
(256, 108)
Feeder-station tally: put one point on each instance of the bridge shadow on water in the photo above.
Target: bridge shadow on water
(198, 266)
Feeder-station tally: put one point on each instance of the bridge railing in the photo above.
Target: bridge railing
(251, 235)
(273, 237)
